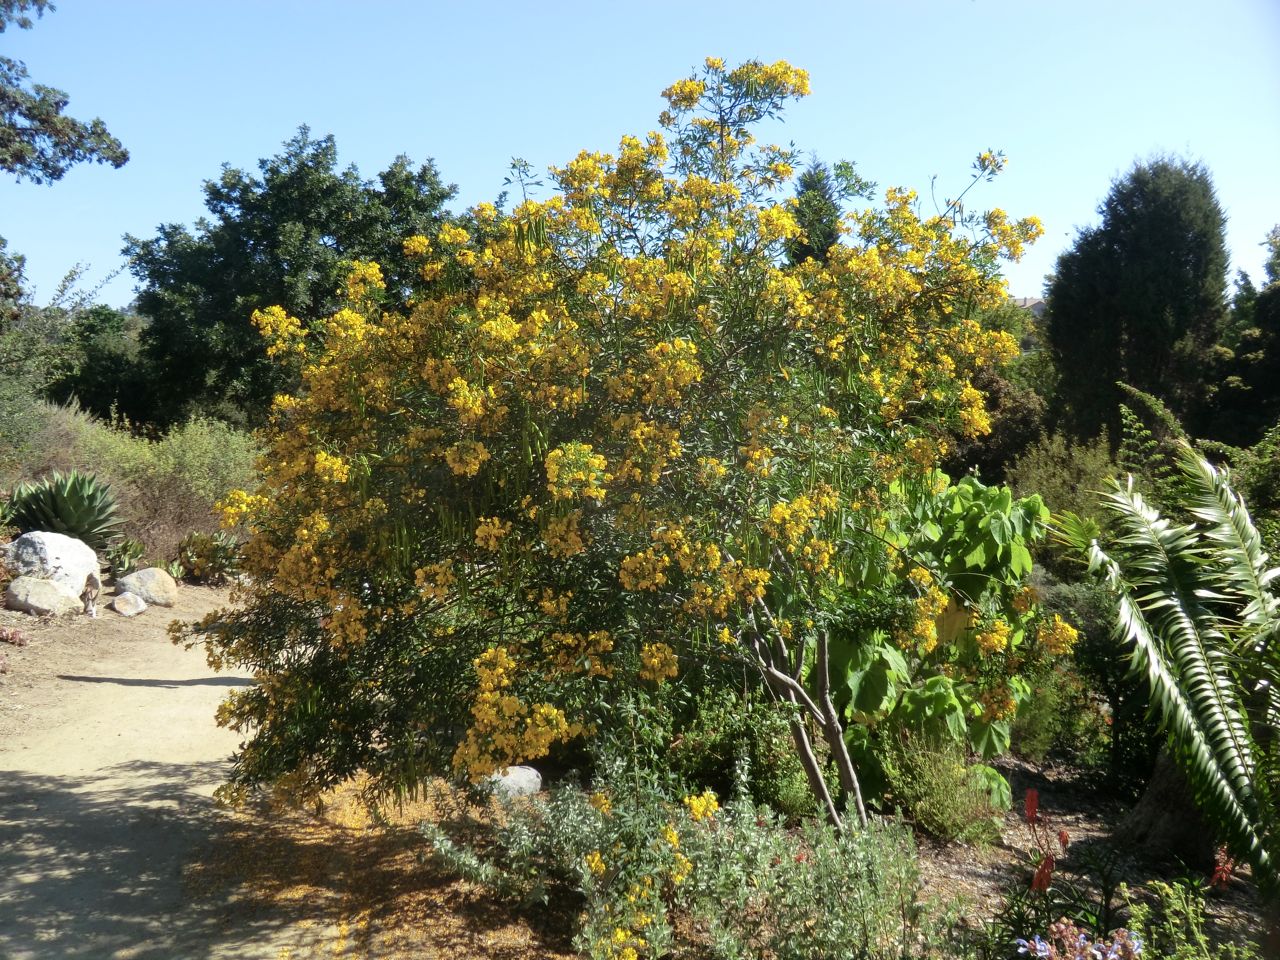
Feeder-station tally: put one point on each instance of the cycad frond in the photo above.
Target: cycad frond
(1241, 557)
(1167, 594)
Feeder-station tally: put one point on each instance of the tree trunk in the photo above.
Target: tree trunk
(1166, 822)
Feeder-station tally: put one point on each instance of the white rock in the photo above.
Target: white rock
(51, 556)
(128, 604)
(42, 597)
(153, 585)
(516, 782)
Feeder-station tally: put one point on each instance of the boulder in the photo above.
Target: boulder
(128, 604)
(51, 556)
(516, 782)
(152, 585)
(42, 597)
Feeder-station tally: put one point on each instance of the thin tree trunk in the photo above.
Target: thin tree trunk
(833, 731)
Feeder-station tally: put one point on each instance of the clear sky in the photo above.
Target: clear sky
(1074, 91)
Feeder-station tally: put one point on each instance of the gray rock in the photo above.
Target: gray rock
(128, 604)
(516, 782)
(51, 556)
(42, 597)
(153, 585)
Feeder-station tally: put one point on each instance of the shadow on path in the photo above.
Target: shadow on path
(92, 867)
(166, 684)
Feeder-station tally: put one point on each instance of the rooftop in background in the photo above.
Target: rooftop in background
(1035, 304)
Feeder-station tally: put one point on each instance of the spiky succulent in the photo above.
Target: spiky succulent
(75, 504)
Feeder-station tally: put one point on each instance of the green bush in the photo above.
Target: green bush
(1062, 717)
(125, 557)
(209, 557)
(943, 794)
(655, 878)
(1173, 927)
(725, 732)
(165, 487)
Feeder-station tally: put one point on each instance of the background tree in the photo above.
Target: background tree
(12, 267)
(817, 213)
(1248, 401)
(280, 238)
(1141, 298)
(37, 141)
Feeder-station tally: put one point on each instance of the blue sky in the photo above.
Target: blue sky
(1074, 91)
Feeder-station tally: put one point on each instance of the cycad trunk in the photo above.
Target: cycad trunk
(1166, 822)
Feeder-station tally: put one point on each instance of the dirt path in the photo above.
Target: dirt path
(109, 756)
(111, 847)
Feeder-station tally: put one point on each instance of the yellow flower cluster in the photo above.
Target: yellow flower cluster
(657, 662)
(646, 570)
(1057, 636)
(702, 806)
(238, 507)
(416, 247)
(504, 729)
(435, 581)
(364, 279)
(1025, 600)
(574, 470)
(284, 334)
(673, 368)
(734, 583)
(490, 531)
(929, 606)
(993, 639)
(466, 457)
(563, 536)
(595, 863)
(974, 419)
(453, 235)
(331, 469)
(793, 522)
(684, 94)
(998, 704)
(571, 653)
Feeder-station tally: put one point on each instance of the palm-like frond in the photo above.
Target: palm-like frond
(1173, 583)
(1241, 556)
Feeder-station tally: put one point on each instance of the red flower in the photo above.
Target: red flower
(1031, 804)
(1064, 838)
(1044, 873)
(1224, 867)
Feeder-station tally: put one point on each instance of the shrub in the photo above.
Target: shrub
(1173, 926)
(657, 878)
(615, 437)
(209, 557)
(125, 556)
(1062, 716)
(1069, 476)
(165, 488)
(942, 793)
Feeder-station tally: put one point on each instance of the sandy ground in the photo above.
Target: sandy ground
(111, 847)
(109, 756)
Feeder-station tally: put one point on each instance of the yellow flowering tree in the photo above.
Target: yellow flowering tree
(616, 438)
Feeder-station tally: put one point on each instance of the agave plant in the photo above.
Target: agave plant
(1196, 602)
(75, 504)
